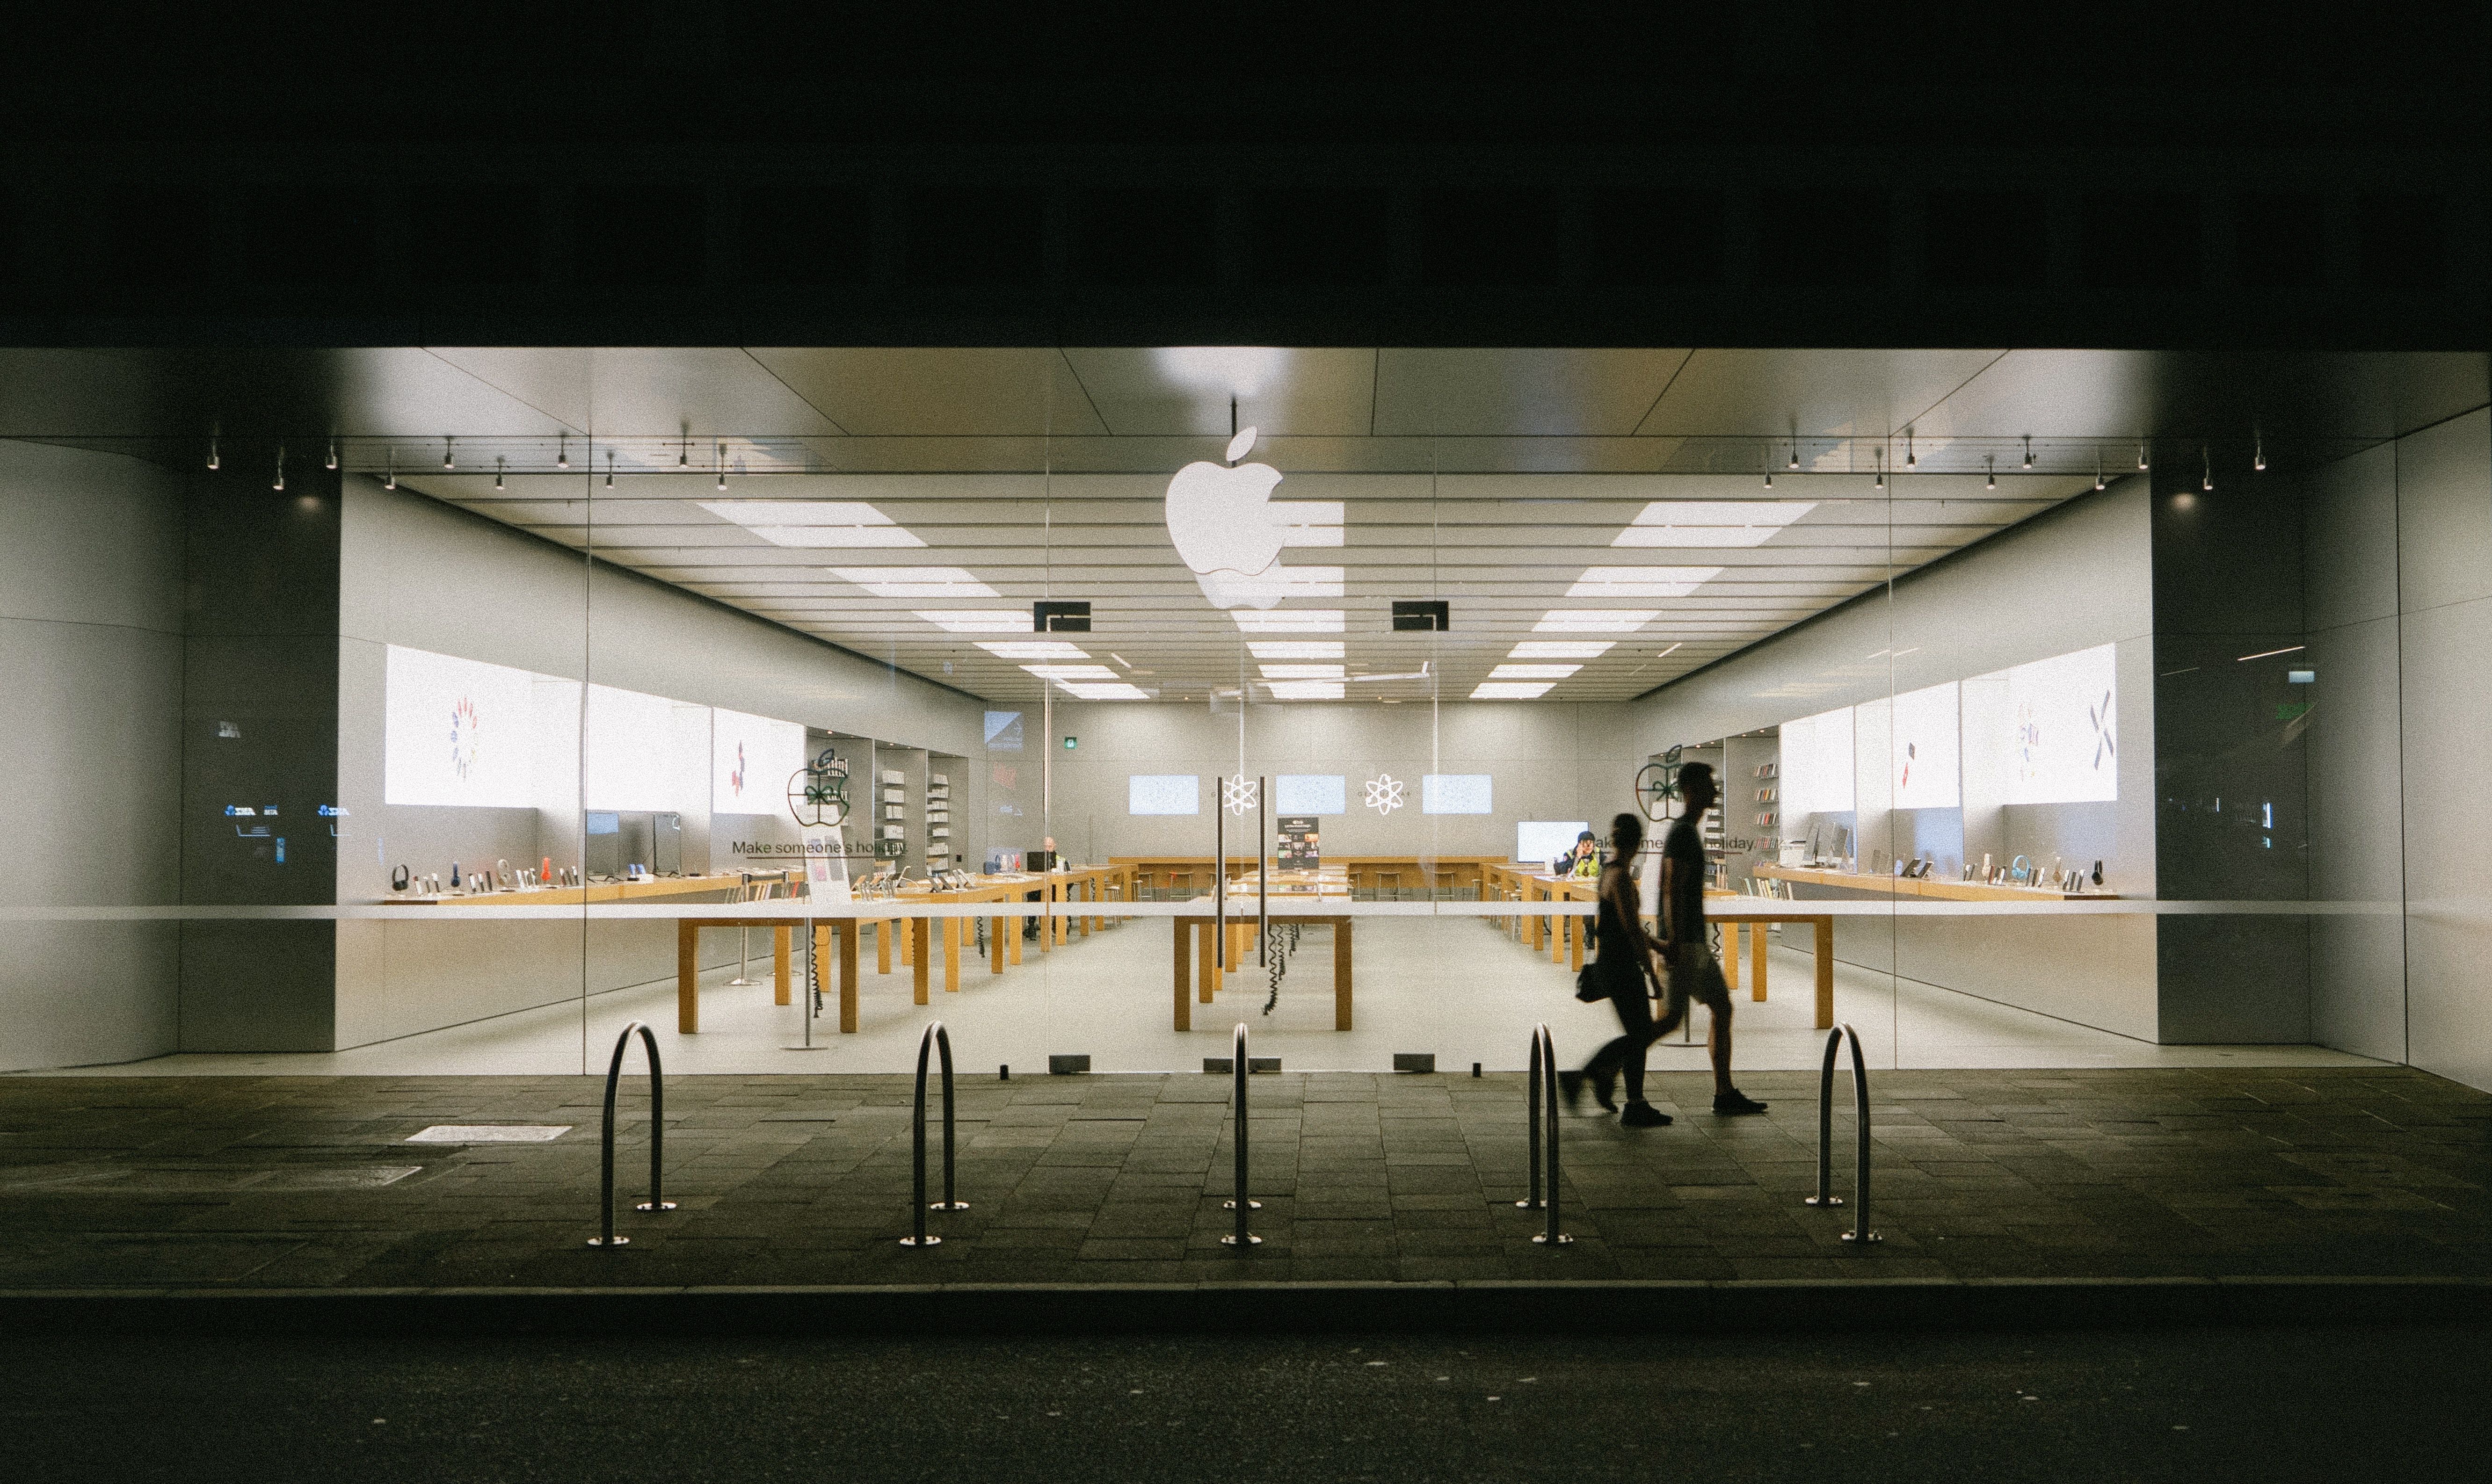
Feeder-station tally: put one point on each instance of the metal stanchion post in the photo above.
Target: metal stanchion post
(657, 1136)
(1241, 1238)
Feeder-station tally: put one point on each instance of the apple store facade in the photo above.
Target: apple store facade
(443, 710)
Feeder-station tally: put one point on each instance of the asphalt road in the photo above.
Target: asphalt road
(2262, 1404)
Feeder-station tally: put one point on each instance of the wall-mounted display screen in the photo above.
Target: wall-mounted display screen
(1816, 765)
(750, 759)
(2066, 742)
(636, 749)
(1545, 840)
(1928, 757)
(1310, 793)
(1454, 793)
(458, 732)
(1162, 793)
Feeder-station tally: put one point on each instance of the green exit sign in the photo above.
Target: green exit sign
(1071, 742)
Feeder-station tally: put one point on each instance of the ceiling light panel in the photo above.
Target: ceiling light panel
(1510, 690)
(1641, 582)
(1302, 672)
(1594, 621)
(1297, 650)
(1711, 522)
(916, 582)
(976, 620)
(1105, 690)
(1294, 621)
(814, 522)
(1532, 671)
(1033, 650)
(1305, 690)
(1071, 671)
(1561, 649)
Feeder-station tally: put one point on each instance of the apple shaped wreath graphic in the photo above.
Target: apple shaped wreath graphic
(1224, 525)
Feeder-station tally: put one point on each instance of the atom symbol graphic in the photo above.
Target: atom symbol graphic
(1384, 794)
(1237, 794)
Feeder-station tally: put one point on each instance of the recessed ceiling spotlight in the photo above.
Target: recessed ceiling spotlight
(562, 451)
(333, 455)
(1990, 472)
(280, 484)
(2029, 450)
(448, 459)
(213, 459)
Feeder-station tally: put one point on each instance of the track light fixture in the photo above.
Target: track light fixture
(1880, 456)
(280, 483)
(449, 460)
(213, 459)
(1911, 460)
(1795, 454)
(2029, 450)
(333, 455)
(498, 462)
(2098, 474)
(2140, 453)
(1990, 472)
(610, 468)
(684, 454)
(2258, 453)
(722, 466)
(2206, 480)
(562, 451)
(1768, 463)
(391, 483)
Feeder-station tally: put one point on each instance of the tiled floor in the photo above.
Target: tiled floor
(1455, 988)
(261, 1181)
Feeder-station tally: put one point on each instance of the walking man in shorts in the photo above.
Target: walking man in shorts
(1685, 945)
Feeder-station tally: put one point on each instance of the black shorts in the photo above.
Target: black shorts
(1696, 975)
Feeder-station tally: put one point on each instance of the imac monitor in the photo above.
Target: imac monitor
(605, 852)
(1545, 840)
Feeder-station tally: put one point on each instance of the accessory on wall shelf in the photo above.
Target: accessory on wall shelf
(397, 879)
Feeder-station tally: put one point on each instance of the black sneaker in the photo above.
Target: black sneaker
(1736, 1104)
(1643, 1114)
(1570, 1087)
(1602, 1086)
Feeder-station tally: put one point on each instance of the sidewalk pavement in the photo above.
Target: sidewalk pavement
(256, 1184)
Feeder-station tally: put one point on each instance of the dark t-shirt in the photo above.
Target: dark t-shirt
(1683, 913)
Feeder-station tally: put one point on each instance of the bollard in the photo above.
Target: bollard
(657, 1134)
(1241, 1238)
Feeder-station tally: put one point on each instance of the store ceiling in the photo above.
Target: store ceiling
(1513, 483)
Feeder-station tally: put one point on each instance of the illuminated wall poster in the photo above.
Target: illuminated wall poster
(1815, 766)
(751, 758)
(457, 731)
(1310, 793)
(2065, 746)
(1455, 794)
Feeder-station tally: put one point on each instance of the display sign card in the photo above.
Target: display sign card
(826, 865)
(1300, 848)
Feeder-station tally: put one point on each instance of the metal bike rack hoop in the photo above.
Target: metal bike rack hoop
(656, 1135)
(1544, 1057)
(1241, 1238)
(940, 1040)
(1825, 1195)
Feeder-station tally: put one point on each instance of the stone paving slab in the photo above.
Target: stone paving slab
(268, 1183)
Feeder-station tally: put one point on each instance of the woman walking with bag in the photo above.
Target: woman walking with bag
(1622, 973)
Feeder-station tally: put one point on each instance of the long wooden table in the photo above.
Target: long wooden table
(1936, 888)
(1364, 873)
(1204, 929)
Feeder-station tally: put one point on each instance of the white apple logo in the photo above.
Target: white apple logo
(1224, 527)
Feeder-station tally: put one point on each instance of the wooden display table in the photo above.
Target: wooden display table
(1306, 906)
(1364, 873)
